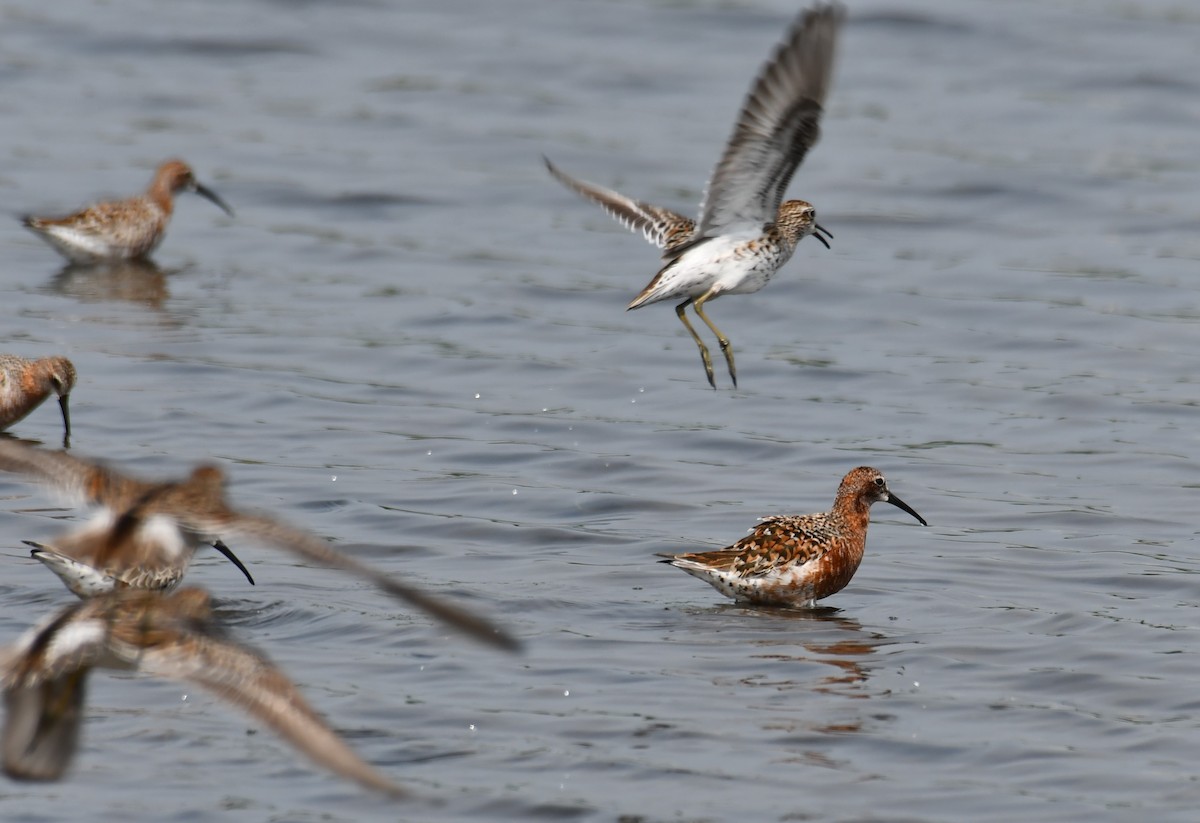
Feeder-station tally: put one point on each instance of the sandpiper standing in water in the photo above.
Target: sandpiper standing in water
(44, 677)
(796, 560)
(145, 534)
(24, 384)
(122, 229)
(745, 232)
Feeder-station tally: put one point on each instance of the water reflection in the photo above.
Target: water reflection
(828, 638)
(132, 281)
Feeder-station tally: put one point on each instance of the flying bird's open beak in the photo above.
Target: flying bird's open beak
(819, 231)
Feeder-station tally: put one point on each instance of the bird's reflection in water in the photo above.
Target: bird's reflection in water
(132, 281)
(821, 635)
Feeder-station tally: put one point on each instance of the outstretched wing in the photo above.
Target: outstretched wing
(41, 726)
(249, 681)
(312, 548)
(778, 124)
(45, 683)
(82, 480)
(662, 227)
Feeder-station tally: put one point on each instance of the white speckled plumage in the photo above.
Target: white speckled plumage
(745, 231)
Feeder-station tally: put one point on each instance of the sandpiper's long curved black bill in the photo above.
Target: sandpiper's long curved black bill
(900, 504)
(66, 413)
(206, 192)
(819, 232)
(220, 546)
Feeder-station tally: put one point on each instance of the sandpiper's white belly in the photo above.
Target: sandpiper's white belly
(730, 264)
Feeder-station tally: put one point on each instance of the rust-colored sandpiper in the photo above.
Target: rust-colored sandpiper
(796, 560)
(745, 232)
(44, 677)
(146, 533)
(122, 229)
(24, 384)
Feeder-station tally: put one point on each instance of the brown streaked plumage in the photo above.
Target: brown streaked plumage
(661, 227)
(122, 229)
(745, 232)
(166, 518)
(45, 675)
(24, 384)
(796, 560)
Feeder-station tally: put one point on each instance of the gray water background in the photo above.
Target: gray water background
(413, 341)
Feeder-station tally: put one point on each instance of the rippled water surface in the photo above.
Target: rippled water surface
(412, 340)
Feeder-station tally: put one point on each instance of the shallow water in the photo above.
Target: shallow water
(413, 341)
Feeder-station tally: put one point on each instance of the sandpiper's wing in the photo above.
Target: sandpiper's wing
(82, 480)
(662, 227)
(197, 505)
(309, 546)
(45, 682)
(784, 540)
(245, 678)
(778, 124)
(134, 224)
(775, 543)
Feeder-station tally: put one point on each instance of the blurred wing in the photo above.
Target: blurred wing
(778, 124)
(316, 550)
(662, 227)
(250, 682)
(82, 480)
(45, 682)
(41, 726)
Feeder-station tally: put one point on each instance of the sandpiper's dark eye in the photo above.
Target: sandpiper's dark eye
(878, 481)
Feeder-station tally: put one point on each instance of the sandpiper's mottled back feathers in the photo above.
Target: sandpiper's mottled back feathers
(782, 539)
(45, 676)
